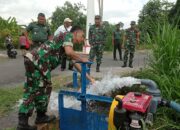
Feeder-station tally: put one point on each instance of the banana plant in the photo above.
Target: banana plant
(11, 27)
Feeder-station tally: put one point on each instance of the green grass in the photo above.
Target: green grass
(165, 62)
(10, 129)
(144, 46)
(166, 50)
(9, 97)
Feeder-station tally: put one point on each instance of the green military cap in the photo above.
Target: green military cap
(97, 17)
(41, 14)
(133, 22)
(120, 24)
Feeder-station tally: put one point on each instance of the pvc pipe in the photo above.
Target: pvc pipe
(175, 106)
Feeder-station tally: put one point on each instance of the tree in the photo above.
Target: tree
(155, 11)
(11, 27)
(74, 12)
(175, 13)
(109, 30)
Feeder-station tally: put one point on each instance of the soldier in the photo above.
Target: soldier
(131, 39)
(40, 31)
(39, 64)
(97, 36)
(117, 39)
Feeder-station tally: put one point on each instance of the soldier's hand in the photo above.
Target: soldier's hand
(85, 60)
(92, 80)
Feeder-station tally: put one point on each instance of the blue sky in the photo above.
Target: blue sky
(114, 10)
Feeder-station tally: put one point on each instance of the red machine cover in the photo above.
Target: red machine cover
(136, 102)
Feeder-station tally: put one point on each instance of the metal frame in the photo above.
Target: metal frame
(85, 117)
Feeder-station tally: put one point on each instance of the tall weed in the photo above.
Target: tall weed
(166, 50)
(165, 61)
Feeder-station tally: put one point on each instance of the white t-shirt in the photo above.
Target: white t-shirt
(62, 29)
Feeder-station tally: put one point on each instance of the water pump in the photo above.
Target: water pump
(134, 110)
(131, 111)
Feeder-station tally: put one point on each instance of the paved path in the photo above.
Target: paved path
(12, 70)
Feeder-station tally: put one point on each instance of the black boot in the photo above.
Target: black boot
(98, 68)
(125, 64)
(23, 123)
(43, 118)
(130, 65)
(115, 59)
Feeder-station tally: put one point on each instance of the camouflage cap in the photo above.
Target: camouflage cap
(97, 17)
(133, 22)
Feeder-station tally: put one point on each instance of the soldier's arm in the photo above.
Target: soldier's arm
(50, 36)
(28, 29)
(90, 35)
(124, 37)
(71, 53)
(46, 72)
(78, 67)
(68, 47)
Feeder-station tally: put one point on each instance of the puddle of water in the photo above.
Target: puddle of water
(102, 87)
(106, 85)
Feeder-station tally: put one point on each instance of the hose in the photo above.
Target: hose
(152, 88)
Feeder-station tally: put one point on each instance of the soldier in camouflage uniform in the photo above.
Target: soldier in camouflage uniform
(131, 39)
(97, 36)
(39, 64)
(40, 31)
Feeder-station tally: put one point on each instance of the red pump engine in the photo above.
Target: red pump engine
(136, 102)
(132, 111)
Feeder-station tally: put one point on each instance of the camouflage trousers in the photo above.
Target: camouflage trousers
(36, 90)
(129, 50)
(96, 50)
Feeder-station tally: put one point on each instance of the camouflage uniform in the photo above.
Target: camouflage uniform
(39, 64)
(39, 32)
(97, 36)
(130, 43)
